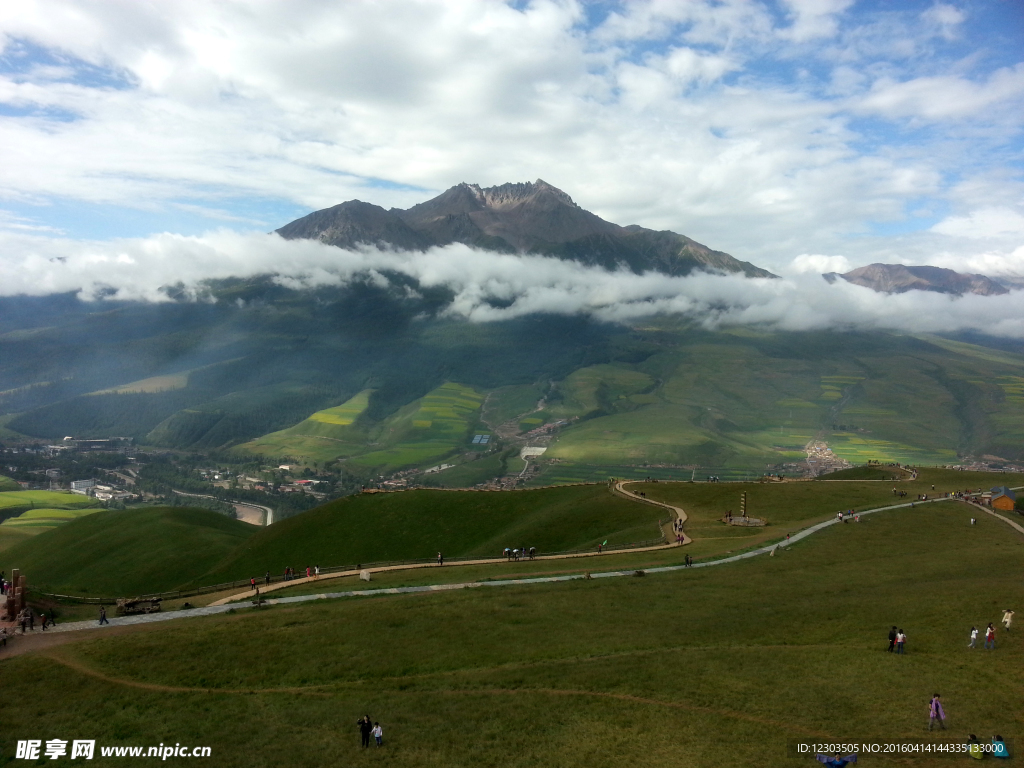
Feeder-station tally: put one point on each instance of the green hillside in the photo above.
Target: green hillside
(326, 435)
(126, 552)
(702, 668)
(418, 524)
(6, 484)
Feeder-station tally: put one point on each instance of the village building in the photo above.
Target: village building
(1003, 498)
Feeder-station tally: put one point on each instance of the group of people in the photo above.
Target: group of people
(937, 717)
(26, 619)
(897, 639)
(4, 584)
(368, 729)
(677, 526)
(521, 553)
(990, 631)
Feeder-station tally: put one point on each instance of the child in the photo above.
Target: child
(378, 733)
(974, 636)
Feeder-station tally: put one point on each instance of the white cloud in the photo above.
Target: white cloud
(983, 223)
(814, 18)
(944, 97)
(818, 264)
(489, 286)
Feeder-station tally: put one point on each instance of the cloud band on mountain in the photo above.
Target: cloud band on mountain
(487, 286)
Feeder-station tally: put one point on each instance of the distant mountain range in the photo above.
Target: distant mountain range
(531, 217)
(897, 278)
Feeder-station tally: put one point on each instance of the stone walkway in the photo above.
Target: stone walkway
(211, 610)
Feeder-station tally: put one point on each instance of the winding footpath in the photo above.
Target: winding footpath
(225, 605)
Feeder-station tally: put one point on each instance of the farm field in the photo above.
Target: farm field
(49, 499)
(703, 667)
(324, 436)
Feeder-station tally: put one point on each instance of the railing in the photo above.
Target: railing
(260, 582)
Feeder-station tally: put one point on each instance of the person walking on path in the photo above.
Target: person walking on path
(1007, 619)
(440, 559)
(267, 578)
(900, 640)
(252, 583)
(974, 637)
(316, 573)
(378, 733)
(990, 637)
(364, 729)
(892, 639)
(936, 713)
(103, 615)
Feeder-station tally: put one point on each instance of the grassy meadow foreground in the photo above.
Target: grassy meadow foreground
(702, 667)
(705, 667)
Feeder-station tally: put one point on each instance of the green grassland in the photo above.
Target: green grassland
(743, 401)
(427, 430)
(7, 484)
(324, 436)
(127, 552)
(38, 520)
(417, 524)
(871, 472)
(702, 668)
(49, 499)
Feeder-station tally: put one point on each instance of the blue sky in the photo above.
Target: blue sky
(800, 134)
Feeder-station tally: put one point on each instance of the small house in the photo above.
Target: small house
(1003, 498)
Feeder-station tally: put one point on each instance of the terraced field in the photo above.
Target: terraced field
(324, 436)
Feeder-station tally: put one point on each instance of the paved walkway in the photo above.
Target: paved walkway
(211, 610)
(617, 488)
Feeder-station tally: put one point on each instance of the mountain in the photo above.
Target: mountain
(530, 217)
(897, 278)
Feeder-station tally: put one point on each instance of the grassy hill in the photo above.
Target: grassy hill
(418, 524)
(126, 552)
(702, 668)
(324, 436)
(7, 484)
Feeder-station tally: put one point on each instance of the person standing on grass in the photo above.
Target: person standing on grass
(892, 639)
(364, 729)
(974, 636)
(1007, 619)
(900, 640)
(378, 733)
(936, 714)
(103, 615)
(990, 637)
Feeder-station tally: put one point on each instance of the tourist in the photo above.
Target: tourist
(364, 729)
(440, 559)
(990, 637)
(892, 639)
(103, 616)
(999, 747)
(252, 583)
(901, 638)
(936, 714)
(1007, 619)
(974, 637)
(307, 571)
(3, 636)
(378, 733)
(268, 578)
(316, 573)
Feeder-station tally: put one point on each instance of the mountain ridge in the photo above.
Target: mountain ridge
(899, 278)
(518, 217)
